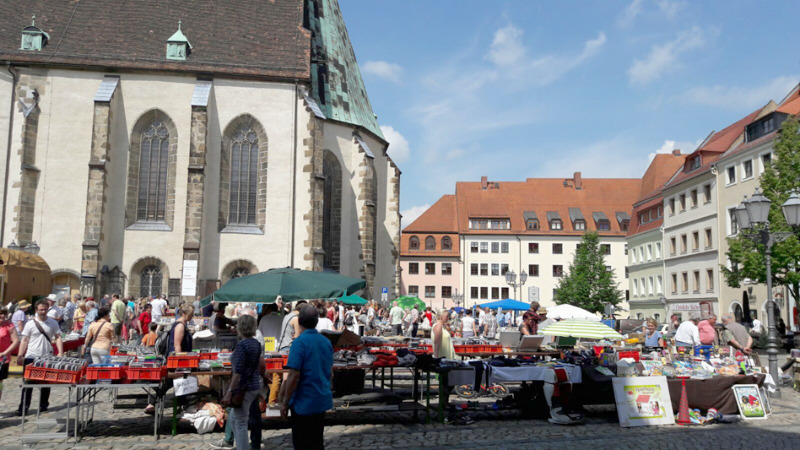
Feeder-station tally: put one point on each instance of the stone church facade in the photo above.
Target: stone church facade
(143, 140)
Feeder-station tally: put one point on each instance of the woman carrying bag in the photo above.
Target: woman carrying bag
(99, 337)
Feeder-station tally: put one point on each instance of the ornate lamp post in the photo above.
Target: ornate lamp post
(511, 279)
(753, 218)
(457, 299)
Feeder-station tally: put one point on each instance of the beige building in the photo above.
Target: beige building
(645, 241)
(179, 154)
(738, 173)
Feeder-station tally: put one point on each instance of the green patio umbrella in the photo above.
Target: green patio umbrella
(352, 299)
(288, 283)
(407, 302)
(579, 328)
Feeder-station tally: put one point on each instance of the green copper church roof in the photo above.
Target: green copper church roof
(336, 83)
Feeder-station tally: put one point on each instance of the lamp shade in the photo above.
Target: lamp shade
(742, 218)
(523, 277)
(791, 209)
(32, 247)
(758, 208)
(511, 277)
(13, 246)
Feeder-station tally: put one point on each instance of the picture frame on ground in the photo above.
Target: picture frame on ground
(749, 401)
(643, 401)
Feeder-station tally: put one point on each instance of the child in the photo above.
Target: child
(149, 339)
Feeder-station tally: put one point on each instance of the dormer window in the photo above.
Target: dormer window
(601, 221)
(178, 46)
(554, 220)
(578, 221)
(531, 220)
(33, 37)
(413, 243)
(694, 163)
(624, 220)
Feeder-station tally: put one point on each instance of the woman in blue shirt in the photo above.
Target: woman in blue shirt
(652, 338)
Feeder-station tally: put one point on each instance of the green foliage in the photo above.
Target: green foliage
(588, 284)
(778, 181)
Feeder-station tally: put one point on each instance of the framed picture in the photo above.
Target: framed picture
(749, 400)
(643, 401)
(765, 396)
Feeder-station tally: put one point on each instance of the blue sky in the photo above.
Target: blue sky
(517, 89)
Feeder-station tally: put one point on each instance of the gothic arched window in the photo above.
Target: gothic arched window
(150, 281)
(430, 243)
(331, 211)
(153, 164)
(244, 177)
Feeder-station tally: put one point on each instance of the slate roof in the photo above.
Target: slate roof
(232, 37)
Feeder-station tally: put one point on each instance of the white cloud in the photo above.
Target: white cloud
(629, 14)
(669, 8)
(507, 48)
(663, 58)
(454, 153)
(382, 69)
(398, 145)
(411, 214)
(669, 145)
(548, 69)
(740, 98)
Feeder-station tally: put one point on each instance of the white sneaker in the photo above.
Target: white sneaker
(222, 444)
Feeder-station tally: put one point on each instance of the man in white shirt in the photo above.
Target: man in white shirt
(37, 341)
(396, 319)
(270, 325)
(414, 320)
(688, 335)
(53, 310)
(159, 308)
(481, 320)
(758, 327)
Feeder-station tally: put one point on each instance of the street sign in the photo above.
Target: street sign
(533, 294)
(384, 297)
(384, 290)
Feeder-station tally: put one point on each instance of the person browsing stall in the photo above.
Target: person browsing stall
(246, 365)
(20, 316)
(100, 336)
(396, 315)
(688, 335)
(442, 343)
(37, 340)
(736, 335)
(307, 391)
(149, 339)
(467, 325)
(706, 330)
(652, 337)
(180, 338)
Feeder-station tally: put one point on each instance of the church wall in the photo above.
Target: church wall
(5, 102)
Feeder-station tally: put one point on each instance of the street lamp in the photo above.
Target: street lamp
(753, 218)
(457, 299)
(32, 247)
(13, 245)
(511, 279)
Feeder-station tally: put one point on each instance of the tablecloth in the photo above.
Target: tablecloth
(529, 373)
(715, 392)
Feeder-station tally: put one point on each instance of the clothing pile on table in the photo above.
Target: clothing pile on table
(346, 358)
(384, 358)
(405, 357)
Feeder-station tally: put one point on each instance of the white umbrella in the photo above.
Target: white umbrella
(570, 312)
(581, 329)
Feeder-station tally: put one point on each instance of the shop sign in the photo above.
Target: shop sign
(685, 307)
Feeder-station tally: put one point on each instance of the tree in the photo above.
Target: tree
(778, 181)
(589, 284)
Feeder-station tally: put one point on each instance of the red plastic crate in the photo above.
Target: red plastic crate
(208, 356)
(493, 348)
(629, 354)
(276, 363)
(113, 350)
(467, 348)
(146, 373)
(183, 362)
(52, 375)
(105, 373)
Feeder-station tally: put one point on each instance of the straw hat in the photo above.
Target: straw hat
(51, 298)
(541, 311)
(22, 304)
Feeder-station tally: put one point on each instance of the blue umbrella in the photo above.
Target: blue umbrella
(507, 304)
(458, 309)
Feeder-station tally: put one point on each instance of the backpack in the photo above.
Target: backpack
(162, 342)
(348, 320)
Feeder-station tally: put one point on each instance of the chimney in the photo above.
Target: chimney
(676, 152)
(576, 179)
(484, 183)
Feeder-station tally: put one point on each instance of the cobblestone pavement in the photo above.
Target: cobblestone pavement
(131, 429)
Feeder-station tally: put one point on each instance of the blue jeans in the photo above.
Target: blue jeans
(254, 422)
(683, 344)
(239, 418)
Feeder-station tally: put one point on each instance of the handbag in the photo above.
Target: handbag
(87, 355)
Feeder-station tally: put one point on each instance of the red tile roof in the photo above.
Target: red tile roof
(711, 150)
(791, 105)
(440, 217)
(661, 169)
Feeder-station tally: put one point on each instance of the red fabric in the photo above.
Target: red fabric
(5, 335)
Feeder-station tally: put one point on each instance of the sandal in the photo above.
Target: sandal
(150, 410)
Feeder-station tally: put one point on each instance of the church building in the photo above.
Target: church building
(156, 147)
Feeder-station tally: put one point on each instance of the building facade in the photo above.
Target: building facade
(150, 165)
(645, 271)
(532, 227)
(738, 174)
(691, 226)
